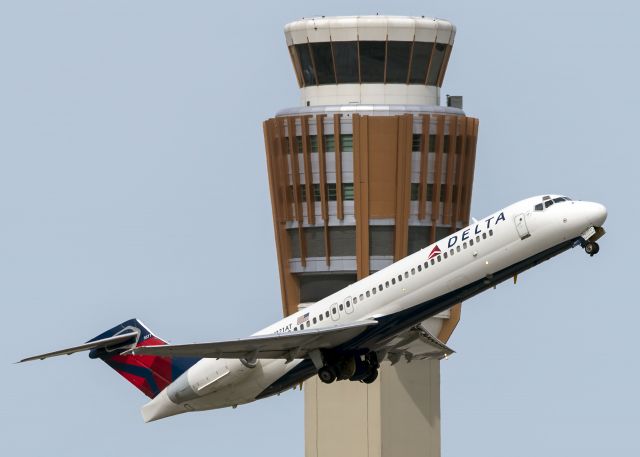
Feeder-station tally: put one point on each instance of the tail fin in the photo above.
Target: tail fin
(150, 374)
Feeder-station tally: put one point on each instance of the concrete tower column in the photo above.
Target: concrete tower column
(370, 168)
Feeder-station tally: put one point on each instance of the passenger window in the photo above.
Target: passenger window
(433, 261)
(419, 268)
(355, 300)
(406, 274)
(471, 242)
(458, 248)
(320, 317)
(308, 324)
(373, 291)
(315, 321)
(393, 281)
(491, 232)
(451, 252)
(439, 258)
(380, 287)
(341, 307)
(399, 277)
(368, 294)
(361, 297)
(386, 284)
(478, 239)
(413, 271)
(334, 310)
(484, 236)
(445, 254)
(327, 314)
(426, 264)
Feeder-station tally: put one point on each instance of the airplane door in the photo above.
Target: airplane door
(348, 305)
(334, 312)
(521, 226)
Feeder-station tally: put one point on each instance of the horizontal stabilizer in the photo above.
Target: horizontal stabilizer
(97, 344)
(288, 346)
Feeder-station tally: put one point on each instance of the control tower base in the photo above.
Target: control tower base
(397, 415)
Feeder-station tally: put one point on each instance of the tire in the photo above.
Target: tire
(327, 375)
(591, 248)
(371, 377)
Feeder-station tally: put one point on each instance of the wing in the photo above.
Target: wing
(415, 343)
(289, 346)
(102, 343)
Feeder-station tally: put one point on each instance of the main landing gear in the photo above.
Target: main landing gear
(591, 248)
(363, 368)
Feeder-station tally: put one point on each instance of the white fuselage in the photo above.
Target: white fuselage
(506, 238)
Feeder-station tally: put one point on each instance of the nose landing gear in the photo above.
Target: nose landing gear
(591, 248)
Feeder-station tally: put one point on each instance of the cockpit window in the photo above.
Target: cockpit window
(558, 200)
(539, 207)
(548, 203)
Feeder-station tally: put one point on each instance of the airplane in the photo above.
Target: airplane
(349, 333)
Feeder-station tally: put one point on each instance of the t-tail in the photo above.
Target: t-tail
(149, 373)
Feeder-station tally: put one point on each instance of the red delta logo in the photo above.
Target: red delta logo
(434, 252)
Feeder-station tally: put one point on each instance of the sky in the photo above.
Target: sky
(133, 184)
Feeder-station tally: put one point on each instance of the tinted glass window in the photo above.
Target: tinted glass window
(372, 61)
(329, 143)
(346, 55)
(436, 63)
(538, 207)
(419, 62)
(347, 191)
(548, 203)
(323, 61)
(398, 53)
(346, 142)
(305, 64)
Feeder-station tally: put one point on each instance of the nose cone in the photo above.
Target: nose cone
(597, 214)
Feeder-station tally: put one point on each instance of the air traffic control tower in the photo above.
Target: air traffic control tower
(368, 169)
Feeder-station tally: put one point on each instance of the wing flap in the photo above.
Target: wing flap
(416, 343)
(287, 346)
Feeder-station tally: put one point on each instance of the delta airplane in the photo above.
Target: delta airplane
(349, 333)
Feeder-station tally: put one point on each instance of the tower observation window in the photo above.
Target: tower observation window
(436, 63)
(323, 61)
(419, 61)
(308, 75)
(382, 62)
(398, 53)
(346, 60)
(372, 56)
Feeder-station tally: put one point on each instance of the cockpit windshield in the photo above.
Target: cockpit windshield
(547, 201)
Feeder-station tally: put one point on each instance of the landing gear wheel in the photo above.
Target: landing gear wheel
(591, 248)
(327, 375)
(371, 377)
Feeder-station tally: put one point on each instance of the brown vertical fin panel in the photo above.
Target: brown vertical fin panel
(324, 207)
(338, 148)
(288, 285)
(460, 164)
(283, 159)
(424, 167)
(451, 155)
(308, 175)
(295, 172)
(449, 325)
(437, 171)
(403, 185)
(361, 192)
(471, 165)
